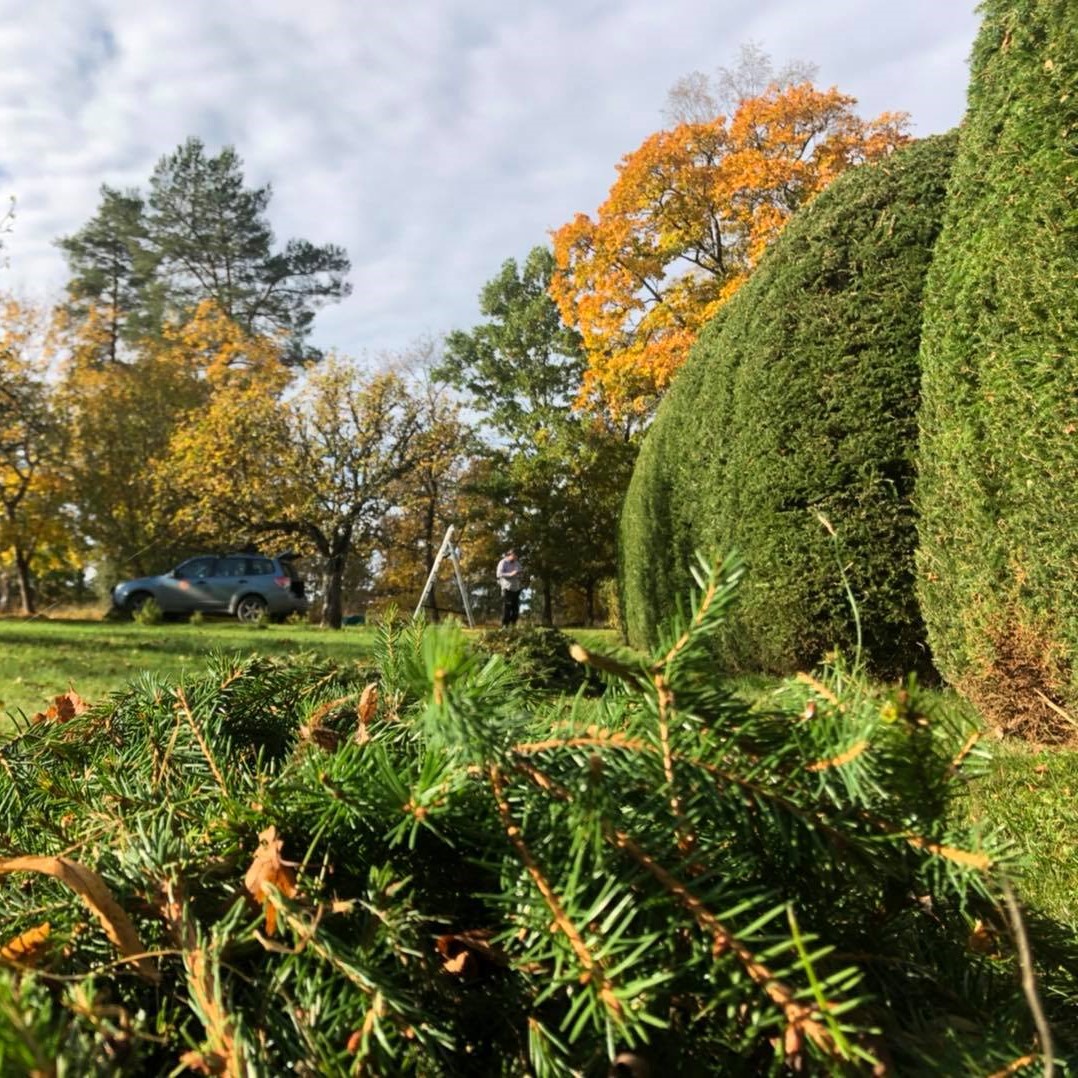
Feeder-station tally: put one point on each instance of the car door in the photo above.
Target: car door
(186, 588)
(230, 576)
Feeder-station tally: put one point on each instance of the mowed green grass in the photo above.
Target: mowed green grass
(39, 659)
(1031, 795)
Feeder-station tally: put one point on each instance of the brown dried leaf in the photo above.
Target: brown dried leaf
(466, 953)
(983, 939)
(27, 947)
(98, 897)
(205, 1062)
(63, 707)
(322, 736)
(269, 868)
(368, 707)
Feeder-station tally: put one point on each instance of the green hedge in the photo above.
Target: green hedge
(800, 399)
(998, 567)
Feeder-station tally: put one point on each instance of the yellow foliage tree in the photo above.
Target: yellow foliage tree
(123, 415)
(321, 468)
(33, 505)
(689, 215)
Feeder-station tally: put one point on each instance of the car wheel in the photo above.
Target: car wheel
(251, 608)
(137, 601)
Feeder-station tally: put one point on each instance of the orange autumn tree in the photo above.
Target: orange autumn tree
(689, 215)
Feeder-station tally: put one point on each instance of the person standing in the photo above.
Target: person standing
(510, 579)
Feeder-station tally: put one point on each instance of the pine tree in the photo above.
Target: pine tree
(211, 240)
(111, 267)
(201, 234)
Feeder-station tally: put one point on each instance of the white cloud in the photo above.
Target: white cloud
(432, 139)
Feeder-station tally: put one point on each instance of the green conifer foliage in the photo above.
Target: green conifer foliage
(998, 565)
(425, 868)
(796, 414)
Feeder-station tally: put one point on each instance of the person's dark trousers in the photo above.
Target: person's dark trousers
(510, 607)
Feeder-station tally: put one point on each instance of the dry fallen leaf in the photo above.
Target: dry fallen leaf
(27, 947)
(63, 707)
(983, 939)
(368, 706)
(268, 868)
(465, 953)
(98, 897)
(322, 736)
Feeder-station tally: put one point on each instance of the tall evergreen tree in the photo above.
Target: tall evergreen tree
(210, 238)
(202, 234)
(110, 268)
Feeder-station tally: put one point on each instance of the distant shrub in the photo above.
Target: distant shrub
(610, 597)
(538, 655)
(798, 406)
(149, 613)
(998, 473)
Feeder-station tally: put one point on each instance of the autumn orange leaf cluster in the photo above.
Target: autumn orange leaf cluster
(690, 214)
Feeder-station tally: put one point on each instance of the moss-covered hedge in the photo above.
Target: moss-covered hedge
(998, 569)
(800, 400)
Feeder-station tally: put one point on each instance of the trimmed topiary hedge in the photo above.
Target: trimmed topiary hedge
(998, 567)
(800, 402)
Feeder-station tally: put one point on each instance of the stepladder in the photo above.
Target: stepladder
(447, 549)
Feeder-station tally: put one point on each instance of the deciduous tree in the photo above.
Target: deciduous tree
(559, 475)
(320, 467)
(122, 417)
(689, 215)
(32, 500)
(432, 496)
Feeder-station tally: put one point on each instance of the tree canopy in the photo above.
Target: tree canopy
(688, 217)
(201, 234)
(34, 504)
(560, 475)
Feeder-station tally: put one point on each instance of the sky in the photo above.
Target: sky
(432, 139)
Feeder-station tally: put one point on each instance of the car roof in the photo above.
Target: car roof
(288, 555)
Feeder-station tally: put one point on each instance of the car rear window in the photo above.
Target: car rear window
(260, 567)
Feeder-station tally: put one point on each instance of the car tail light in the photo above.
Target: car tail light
(282, 581)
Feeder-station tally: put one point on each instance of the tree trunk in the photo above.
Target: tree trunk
(332, 586)
(589, 595)
(22, 568)
(548, 603)
(435, 614)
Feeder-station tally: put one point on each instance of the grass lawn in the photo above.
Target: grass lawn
(1031, 794)
(39, 659)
